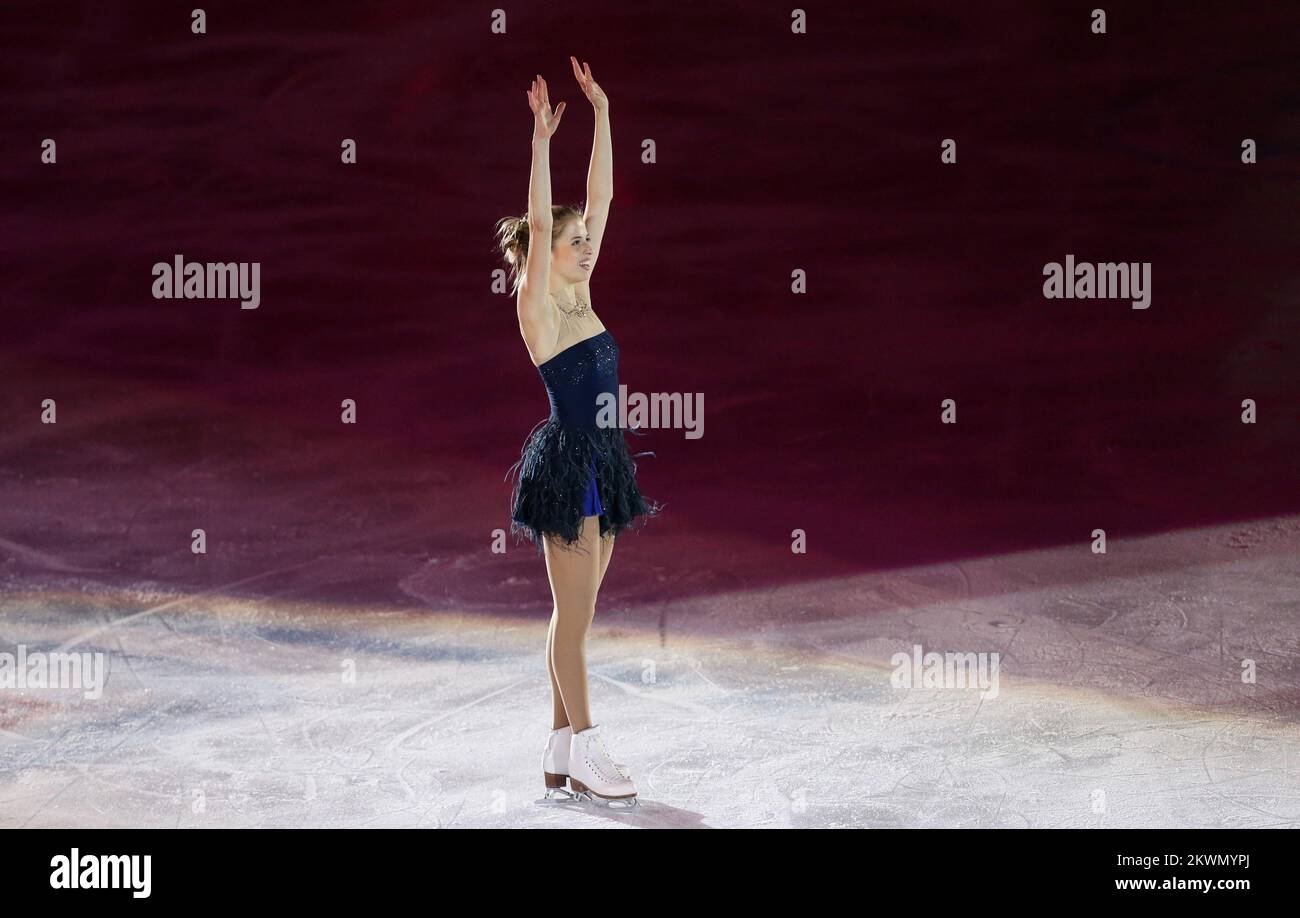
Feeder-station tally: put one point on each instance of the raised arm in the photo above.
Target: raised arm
(600, 174)
(536, 319)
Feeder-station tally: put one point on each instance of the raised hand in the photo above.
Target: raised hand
(589, 88)
(545, 121)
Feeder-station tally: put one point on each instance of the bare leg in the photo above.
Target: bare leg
(575, 578)
(606, 552)
(559, 717)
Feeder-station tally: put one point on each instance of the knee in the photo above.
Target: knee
(574, 616)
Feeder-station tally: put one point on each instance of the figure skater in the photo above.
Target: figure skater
(574, 486)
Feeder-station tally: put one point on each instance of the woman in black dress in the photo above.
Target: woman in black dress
(574, 485)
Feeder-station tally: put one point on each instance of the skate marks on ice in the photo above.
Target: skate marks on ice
(1120, 703)
(568, 811)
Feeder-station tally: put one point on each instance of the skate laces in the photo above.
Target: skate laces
(607, 759)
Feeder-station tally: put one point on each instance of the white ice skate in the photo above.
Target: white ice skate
(593, 774)
(555, 763)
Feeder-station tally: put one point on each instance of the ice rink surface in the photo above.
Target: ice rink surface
(1118, 702)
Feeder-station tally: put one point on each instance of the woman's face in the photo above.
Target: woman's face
(571, 256)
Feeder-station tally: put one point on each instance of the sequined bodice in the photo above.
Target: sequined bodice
(578, 375)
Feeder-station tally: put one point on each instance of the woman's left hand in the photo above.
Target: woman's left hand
(594, 93)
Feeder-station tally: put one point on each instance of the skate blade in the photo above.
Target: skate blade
(556, 795)
(610, 803)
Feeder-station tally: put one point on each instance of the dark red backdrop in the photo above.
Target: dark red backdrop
(775, 151)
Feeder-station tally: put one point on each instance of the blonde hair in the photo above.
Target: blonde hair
(512, 238)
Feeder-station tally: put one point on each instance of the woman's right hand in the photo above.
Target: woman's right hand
(545, 121)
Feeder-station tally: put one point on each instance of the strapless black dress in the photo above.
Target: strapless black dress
(573, 463)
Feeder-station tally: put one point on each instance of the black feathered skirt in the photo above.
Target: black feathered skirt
(554, 472)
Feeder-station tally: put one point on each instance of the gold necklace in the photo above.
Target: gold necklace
(582, 310)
